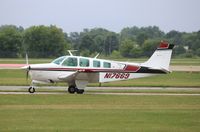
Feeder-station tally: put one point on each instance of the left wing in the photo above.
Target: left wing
(69, 77)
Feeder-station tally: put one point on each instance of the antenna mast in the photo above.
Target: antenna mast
(70, 52)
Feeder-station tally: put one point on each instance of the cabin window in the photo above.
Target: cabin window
(70, 61)
(58, 60)
(96, 63)
(84, 62)
(106, 65)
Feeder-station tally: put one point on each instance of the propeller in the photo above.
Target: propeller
(28, 68)
(27, 72)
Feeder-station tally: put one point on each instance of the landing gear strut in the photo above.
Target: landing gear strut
(31, 89)
(72, 89)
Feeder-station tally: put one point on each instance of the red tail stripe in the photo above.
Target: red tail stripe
(163, 45)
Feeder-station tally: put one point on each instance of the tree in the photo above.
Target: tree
(130, 48)
(175, 37)
(45, 41)
(141, 34)
(74, 39)
(115, 54)
(179, 50)
(10, 41)
(111, 43)
(86, 45)
(141, 37)
(149, 46)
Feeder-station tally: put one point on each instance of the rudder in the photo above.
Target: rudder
(161, 57)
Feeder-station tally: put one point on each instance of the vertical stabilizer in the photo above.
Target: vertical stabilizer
(161, 57)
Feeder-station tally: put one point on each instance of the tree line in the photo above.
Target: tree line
(51, 41)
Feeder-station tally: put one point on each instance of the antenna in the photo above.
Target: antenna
(70, 52)
(96, 56)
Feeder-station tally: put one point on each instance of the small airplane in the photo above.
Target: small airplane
(78, 71)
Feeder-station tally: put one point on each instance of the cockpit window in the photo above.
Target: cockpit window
(58, 60)
(70, 61)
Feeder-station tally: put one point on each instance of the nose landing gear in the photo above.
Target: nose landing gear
(31, 89)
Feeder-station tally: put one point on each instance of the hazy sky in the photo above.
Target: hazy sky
(75, 15)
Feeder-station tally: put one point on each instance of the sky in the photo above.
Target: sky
(114, 15)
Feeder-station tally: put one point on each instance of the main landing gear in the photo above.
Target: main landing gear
(31, 89)
(72, 89)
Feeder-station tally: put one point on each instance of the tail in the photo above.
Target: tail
(161, 57)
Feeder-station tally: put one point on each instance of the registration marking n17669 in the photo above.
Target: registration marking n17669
(117, 75)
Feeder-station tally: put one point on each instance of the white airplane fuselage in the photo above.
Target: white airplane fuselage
(51, 72)
(78, 71)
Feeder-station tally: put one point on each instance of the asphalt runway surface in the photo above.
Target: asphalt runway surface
(97, 90)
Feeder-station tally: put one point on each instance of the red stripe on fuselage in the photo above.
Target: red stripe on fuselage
(128, 68)
(132, 68)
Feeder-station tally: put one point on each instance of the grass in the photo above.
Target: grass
(104, 90)
(23, 61)
(164, 90)
(174, 79)
(99, 113)
(175, 61)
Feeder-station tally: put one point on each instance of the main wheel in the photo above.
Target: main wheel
(80, 91)
(31, 89)
(72, 89)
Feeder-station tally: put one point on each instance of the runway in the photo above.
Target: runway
(129, 91)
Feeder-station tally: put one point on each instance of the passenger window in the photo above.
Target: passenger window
(71, 61)
(96, 63)
(106, 65)
(84, 62)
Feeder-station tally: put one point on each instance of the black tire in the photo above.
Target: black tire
(31, 89)
(72, 89)
(80, 91)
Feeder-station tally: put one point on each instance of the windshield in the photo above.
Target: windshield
(70, 61)
(58, 60)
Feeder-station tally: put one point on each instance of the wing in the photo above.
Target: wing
(69, 77)
(80, 75)
(79, 78)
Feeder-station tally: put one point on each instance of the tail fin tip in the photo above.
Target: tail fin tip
(165, 45)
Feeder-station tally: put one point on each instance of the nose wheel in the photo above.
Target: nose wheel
(31, 89)
(72, 89)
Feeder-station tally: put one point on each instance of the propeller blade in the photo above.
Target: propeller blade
(26, 59)
(27, 72)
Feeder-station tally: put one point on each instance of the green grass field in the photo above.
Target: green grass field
(177, 79)
(175, 61)
(74, 113)
(99, 113)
